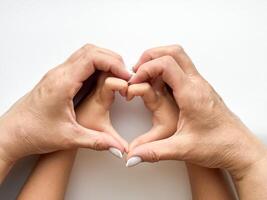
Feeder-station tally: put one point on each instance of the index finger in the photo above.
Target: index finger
(89, 58)
(175, 51)
(166, 67)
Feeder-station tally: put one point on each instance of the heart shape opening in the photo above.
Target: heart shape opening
(130, 118)
(156, 98)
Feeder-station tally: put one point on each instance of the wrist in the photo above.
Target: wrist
(245, 150)
(247, 163)
(252, 184)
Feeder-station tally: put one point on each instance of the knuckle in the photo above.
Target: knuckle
(153, 156)
(146, 71)
(119, 58)
(147, 54)
(48, 86)
(87, 51)
(58, 80)
(50, 74)
(87, 55)
(205, 91)
(88, 47)
(177, 49)
(97, 144)
(167, 60)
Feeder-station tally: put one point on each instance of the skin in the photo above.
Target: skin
(205, 183)
(51, 175)
(50, 104)
(162, 106)
(208, 184)
(208, 133)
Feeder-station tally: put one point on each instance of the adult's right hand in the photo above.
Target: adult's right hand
(44, 119)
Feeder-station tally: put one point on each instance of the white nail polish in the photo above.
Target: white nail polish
(133, 161)
(116, 152)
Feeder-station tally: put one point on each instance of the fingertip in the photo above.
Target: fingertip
(116, 152)
(124, 89)
(129, 95)
(133, 161)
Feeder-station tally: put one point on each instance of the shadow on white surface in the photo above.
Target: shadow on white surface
(16, 178)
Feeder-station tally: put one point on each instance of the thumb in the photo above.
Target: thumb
(172, 148)
(98, 141)
(155, 133)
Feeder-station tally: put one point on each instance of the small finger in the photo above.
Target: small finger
(111, 85)
(144, 90)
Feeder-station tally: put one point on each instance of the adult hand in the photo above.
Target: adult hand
(208, 133)
(44, 119)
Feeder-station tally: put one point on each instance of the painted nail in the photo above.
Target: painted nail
(116, 152)
(133, 161)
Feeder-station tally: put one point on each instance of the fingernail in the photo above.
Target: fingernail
(116, 152)
(133, 161)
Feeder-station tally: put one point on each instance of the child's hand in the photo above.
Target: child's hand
(164, 110)
(94, 112)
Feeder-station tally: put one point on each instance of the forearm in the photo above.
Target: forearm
(253, 185)
(50, 177)
(4, 169)
(208, 184)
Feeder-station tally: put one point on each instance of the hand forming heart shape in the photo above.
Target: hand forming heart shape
(155, 96)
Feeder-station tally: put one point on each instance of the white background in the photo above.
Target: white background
(226, 40)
